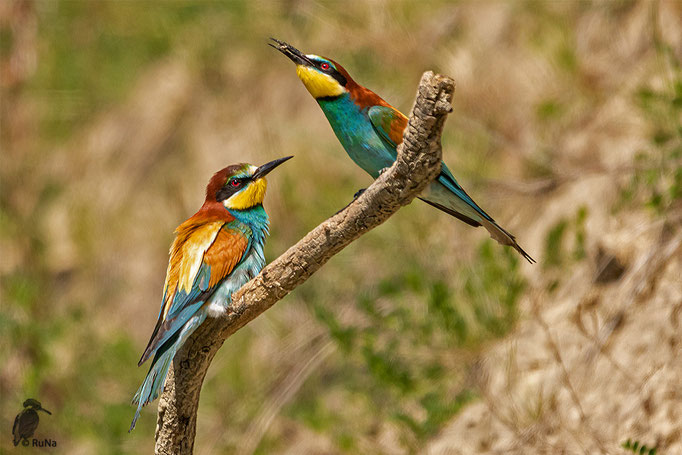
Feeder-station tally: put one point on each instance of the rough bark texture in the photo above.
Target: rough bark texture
(418, 163)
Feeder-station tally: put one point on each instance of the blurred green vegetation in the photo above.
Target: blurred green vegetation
(657, 179)
(656, 182)
(636, 447)
(556, 251)
(410, 346)
(408, 309)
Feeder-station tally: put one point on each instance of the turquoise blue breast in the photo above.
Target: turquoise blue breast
(353, 128)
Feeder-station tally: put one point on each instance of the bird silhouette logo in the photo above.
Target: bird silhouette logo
(26, 422)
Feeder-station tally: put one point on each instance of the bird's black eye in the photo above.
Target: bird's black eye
(235, 183)
(324, 66)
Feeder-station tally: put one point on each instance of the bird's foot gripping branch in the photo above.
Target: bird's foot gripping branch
(418, 163)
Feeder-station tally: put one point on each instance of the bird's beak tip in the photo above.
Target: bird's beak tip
(265, 169)
(279, 45)
(290, 51)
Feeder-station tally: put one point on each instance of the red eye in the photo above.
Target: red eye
(235, 183)
(324, 65)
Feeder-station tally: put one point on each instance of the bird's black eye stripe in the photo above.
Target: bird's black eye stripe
(328, 68)
(333, 73)
(339, 77)
(232, 186)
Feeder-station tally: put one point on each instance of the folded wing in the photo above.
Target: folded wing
(202, 256)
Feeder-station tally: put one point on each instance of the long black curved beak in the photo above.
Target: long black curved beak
(265, 169)
(290, 51)
(40, 408)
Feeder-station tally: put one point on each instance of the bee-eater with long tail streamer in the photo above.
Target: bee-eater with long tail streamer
(215, 252)
(370, 130)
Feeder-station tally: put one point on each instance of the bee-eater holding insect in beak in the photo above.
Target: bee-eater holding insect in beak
(370, 130)
(215, 252)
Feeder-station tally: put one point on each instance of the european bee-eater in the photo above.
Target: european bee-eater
(370, 130)
(215, 252)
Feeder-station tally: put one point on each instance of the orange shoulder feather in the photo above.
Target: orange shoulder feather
(398, 126)
(224, 254)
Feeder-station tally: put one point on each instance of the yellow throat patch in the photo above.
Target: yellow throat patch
(319, 84)
(248, 197)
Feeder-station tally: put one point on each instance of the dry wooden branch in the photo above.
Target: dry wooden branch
(418, 163)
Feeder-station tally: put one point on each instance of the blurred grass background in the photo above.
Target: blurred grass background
(115, 115)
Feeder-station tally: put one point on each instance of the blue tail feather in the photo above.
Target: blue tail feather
(448, 180)
(153, 383)
(447, 195)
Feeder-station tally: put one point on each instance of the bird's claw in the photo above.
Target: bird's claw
(357, 194)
